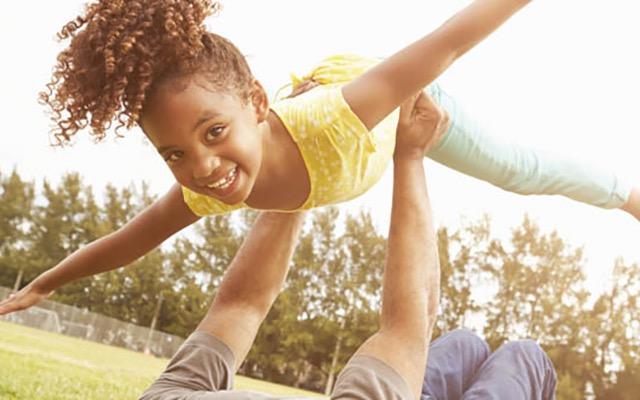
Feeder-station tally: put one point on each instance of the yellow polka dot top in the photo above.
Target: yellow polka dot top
(342, 157)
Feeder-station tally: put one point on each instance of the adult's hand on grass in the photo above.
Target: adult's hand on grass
(25, 298)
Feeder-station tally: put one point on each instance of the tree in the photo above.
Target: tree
(613, 337)
(539, 283)
(195, 267)
(125, 293)
(462, 255)
(16, 204)
(63, 223)
(353, 281)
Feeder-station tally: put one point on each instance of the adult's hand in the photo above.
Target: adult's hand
(421, 125)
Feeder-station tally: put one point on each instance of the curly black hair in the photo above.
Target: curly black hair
(121, 49)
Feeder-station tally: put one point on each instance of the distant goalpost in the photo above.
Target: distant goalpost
(76, 329)
(37, 317)
(72, 321)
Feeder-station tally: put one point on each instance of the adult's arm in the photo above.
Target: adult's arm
(252, 282)
(411, 281)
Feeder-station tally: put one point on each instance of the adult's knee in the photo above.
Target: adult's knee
(530, 351)
(454, 359)
(467, 340)
(537, 364)
(526, 348)
(462, 345)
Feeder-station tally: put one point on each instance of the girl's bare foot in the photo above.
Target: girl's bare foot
(632, 206)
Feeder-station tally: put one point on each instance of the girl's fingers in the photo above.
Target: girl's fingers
(10, 304)
(6, 301)
(5, 308)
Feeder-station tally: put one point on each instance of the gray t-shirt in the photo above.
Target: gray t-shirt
(202, 369)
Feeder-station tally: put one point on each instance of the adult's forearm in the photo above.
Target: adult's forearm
(257, 273)
(412, 279)
(252, 282)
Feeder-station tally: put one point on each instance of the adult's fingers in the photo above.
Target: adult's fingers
(407, 110)
(426, 108)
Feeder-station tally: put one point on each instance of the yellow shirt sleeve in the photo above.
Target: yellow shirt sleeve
(343, 158)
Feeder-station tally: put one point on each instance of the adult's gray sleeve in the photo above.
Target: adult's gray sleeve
(368, 378)
(203, 364)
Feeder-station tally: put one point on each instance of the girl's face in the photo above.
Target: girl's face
(211, 140)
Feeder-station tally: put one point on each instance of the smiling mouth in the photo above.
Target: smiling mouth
(226, 181)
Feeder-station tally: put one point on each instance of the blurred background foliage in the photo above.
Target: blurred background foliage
(531, 284)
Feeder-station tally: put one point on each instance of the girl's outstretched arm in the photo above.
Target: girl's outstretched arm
(144, 232)
(383, 88)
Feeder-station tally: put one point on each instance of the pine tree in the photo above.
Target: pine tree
(16, 207)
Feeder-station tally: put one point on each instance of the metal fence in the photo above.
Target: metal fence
(73, 321)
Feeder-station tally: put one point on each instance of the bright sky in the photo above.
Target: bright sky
(559, 75)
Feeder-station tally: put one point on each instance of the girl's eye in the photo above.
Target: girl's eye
(173, 157)
(214, 133)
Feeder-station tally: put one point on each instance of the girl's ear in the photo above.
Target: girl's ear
(259, 101)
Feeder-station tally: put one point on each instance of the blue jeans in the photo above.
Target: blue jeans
(460, 366)
(470, 149)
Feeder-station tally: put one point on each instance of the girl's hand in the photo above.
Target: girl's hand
(421, 125)
(25, 298)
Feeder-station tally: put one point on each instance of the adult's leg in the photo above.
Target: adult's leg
(470, 149)
(518, 370)
(453, 361)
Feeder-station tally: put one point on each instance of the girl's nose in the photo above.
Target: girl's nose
(204, 167)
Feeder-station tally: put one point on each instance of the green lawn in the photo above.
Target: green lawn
(36, 364)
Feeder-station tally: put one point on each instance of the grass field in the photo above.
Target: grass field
(40, 365)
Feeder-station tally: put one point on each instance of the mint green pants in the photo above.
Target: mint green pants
(467, 148)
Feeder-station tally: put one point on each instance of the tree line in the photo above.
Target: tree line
(529, 285)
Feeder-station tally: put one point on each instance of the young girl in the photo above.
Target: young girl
(152, 63)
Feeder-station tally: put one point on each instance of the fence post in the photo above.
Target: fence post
(153, 324)
(16, 286)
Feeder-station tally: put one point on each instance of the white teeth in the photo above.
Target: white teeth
(224, 182)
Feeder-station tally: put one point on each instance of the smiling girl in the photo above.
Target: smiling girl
(154, 64)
